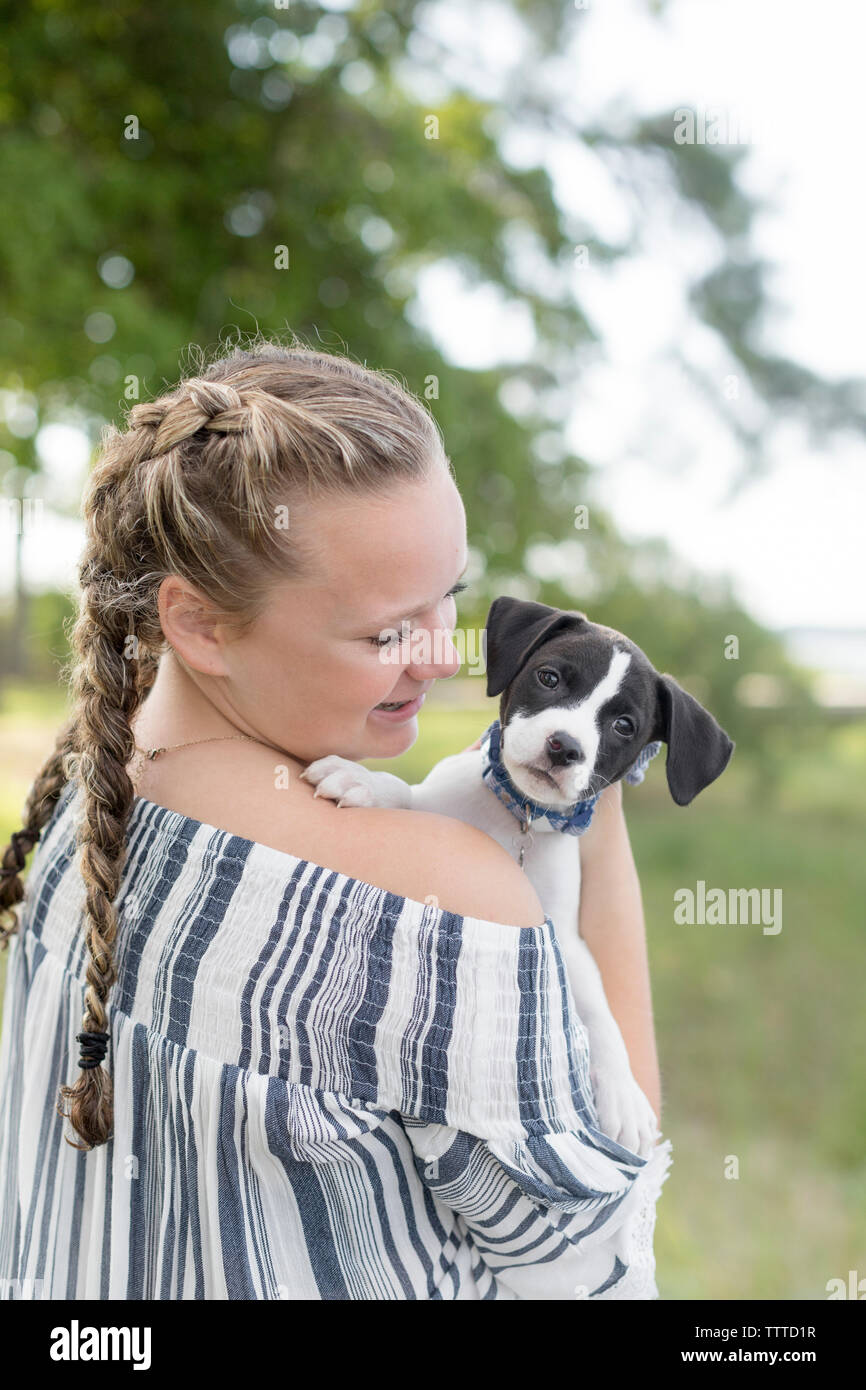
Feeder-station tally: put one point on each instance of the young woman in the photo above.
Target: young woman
(320, 1053)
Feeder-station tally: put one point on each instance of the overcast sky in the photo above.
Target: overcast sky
(789, 76)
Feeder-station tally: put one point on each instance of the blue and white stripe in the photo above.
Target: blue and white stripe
(322, 1090)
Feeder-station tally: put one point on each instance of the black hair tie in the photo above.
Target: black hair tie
(93, 1049)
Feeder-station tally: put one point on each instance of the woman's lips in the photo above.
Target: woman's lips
(405, 711)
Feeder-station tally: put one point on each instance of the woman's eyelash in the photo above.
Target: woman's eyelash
(388, 641)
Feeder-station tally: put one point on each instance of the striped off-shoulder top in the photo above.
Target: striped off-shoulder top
(322, 1090)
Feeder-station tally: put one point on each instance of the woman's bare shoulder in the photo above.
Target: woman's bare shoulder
(422, 854)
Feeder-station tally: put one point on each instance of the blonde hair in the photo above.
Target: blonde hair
(193, 486)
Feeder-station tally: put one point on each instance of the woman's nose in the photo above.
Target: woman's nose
(433, 654)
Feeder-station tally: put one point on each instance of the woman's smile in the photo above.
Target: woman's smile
(397, 712)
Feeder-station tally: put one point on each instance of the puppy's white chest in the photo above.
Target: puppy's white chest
(551, 859)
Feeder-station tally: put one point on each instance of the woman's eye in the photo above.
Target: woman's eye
(629, 728)
(392, 636)
(548, 677)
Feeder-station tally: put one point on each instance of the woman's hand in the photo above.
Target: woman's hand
(476, 744)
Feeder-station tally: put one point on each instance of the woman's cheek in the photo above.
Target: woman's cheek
(368, 678)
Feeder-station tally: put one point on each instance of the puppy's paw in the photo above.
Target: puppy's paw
(338, 779)
(624, 1113)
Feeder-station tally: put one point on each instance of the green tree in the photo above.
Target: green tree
(178, 169)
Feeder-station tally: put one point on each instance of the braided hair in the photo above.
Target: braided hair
(195, 484)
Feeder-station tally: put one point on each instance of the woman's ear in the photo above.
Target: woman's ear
(189, 626)
(515, 627)
(698, 747)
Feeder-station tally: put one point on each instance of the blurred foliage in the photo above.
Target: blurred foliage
(46, 642)
(257, 128)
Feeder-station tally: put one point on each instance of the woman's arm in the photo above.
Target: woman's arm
(612, 925)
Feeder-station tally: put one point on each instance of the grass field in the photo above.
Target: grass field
(762, 1037)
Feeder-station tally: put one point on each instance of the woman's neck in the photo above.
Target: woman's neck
(175, 710)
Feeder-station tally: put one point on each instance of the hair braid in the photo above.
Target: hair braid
(37, 812)
(109, 683)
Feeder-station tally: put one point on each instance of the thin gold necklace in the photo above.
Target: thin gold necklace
(151, 753)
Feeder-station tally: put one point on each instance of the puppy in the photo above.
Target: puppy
(581, 707)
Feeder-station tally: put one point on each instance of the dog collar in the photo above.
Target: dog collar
(572, 822)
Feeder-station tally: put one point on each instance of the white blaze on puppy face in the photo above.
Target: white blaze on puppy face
(524, 739)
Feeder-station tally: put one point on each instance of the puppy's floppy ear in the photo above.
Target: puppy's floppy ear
(698, 747)
(515, 628)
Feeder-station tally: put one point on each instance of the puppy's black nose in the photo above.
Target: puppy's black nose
(562, 749)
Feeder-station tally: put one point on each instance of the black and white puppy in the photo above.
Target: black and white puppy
(580, 707)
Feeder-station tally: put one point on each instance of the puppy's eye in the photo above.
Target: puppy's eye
(624, 726)
(548, 677)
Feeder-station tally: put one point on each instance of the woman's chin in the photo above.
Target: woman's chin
(390, 740)
(397, 736)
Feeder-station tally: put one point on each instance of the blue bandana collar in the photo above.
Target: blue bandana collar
(572, 822)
